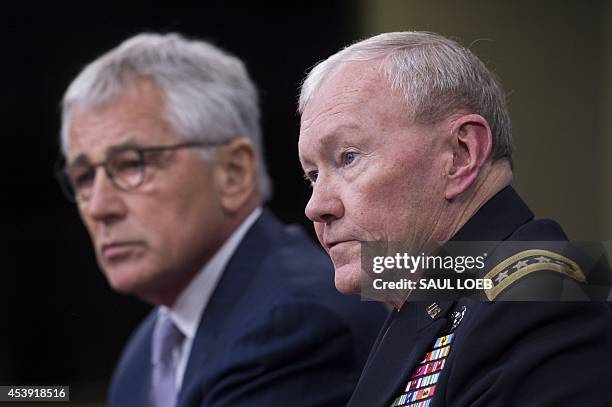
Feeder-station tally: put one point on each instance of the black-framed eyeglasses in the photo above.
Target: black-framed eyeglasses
(125, 166)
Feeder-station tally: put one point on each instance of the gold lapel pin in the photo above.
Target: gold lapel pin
(433, 310)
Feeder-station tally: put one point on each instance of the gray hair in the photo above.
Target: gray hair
(209, 95)
(436, 77)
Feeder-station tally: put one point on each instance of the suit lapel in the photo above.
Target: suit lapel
(142, 381)
(131, 387)
(402, 346)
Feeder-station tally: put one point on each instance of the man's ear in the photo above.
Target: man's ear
(236, 174)
(471, 144)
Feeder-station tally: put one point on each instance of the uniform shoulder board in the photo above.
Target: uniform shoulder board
(526, 262)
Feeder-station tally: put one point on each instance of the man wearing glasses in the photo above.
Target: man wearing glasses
(163, 157)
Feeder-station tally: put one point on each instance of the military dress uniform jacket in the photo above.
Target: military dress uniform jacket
(481, 353)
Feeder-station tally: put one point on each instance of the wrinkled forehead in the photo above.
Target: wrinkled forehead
(135, 115)
(356, 95)
(139, 94)
(356, 81)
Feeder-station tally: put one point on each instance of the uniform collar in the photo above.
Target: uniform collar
(496, 219)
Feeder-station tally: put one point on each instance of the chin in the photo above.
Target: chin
(126, 278)
(347, 279)
(122, 284)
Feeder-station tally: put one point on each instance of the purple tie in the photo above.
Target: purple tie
(166, 338)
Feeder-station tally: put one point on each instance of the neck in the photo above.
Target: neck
(235, 219)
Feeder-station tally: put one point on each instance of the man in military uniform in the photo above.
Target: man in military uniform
(406, 137)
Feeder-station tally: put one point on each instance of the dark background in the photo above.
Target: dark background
(61, 323)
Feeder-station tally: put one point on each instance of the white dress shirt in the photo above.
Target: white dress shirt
(191, 303)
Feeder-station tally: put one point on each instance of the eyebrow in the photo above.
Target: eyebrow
(330, 138)
(82, 158)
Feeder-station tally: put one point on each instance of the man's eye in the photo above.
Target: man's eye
(311, 176)
(127, 165)
(348, 157)
(83, 179)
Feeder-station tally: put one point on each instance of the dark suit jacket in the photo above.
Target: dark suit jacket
(274, 333)
(504, 353)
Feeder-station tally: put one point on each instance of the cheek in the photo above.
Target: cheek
(390, 204)
(192, 223)
(93, 229)
(382, 197)
(168, 223)
(89, 225)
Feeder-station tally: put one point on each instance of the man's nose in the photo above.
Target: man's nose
(325, 204)
(105, 202)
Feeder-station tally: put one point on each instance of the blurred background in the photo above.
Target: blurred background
(62, 325)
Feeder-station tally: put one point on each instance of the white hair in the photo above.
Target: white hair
(435, 75)
(208, 93)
